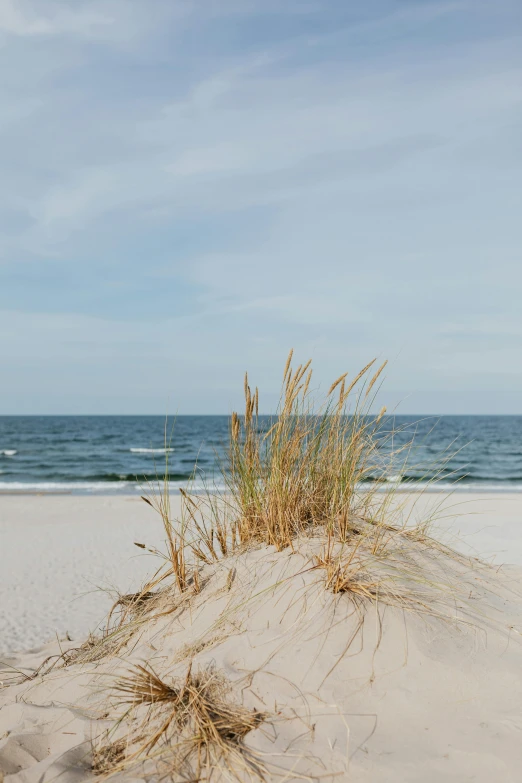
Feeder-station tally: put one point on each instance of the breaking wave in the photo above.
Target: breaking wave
(150, 451)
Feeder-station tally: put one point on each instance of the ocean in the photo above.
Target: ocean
(121, 454)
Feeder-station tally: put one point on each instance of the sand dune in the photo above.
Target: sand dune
(374, 695)
(56, 552)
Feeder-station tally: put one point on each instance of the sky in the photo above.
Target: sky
(191, 188)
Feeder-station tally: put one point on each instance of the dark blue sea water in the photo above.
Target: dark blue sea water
(119, 454)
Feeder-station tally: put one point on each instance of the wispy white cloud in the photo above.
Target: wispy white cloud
(331, 175)
(44, 18)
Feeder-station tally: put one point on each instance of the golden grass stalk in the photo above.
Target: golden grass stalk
(178, 532)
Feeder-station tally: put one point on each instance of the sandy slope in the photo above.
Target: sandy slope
(403, 698)
(56, 551)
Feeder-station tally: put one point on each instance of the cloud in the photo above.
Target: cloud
(337, 176)
(23, 19)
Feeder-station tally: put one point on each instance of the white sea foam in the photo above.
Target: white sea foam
(62, 486)
(444, 486)
(130, 487)
(151, 451)
(8, 452)
(98, 487)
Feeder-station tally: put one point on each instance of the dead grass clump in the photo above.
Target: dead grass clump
(346, 574)
(198, 646)
(87, 652)
(413, 573)
(191, 728)
(127, 615)
(114, 636)
(93, 649)
(130, 606)
(107, 757)
(97, 648)
(135, 600)
(365, 581)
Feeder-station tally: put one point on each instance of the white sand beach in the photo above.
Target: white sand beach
(408, 699)
(58, 553)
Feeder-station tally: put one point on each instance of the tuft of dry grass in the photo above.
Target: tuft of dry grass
(353, 570)
(190, 726)
(347, 574)
(302, 473)
(108, 757)
(128, 616)
(307, 469)
(317, 467)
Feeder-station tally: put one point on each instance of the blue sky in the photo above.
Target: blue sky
(189, 189)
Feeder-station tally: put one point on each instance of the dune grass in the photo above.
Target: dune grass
(306, 469)
(318, 469)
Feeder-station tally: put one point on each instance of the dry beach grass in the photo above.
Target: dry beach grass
(317, 471)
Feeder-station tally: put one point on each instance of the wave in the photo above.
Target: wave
(8, 452)
(137, 477)
(55, 486)
(100, 487)
(458, 487)
(150, 451)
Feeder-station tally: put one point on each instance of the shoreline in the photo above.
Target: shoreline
(466, 489)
